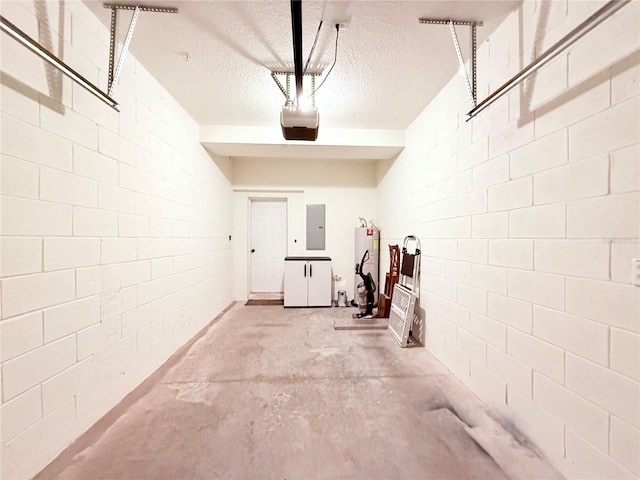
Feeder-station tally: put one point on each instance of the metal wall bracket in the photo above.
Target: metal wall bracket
(114, 74)
(471, 84)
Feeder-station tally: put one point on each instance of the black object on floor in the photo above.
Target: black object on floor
(264, 302)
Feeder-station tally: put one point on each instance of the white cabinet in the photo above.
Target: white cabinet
(319, 283)
(307, 282)
(295, 283)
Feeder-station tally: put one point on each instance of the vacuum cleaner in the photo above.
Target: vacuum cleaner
(366, 289)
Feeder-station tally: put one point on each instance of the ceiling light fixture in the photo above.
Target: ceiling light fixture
(298, 117)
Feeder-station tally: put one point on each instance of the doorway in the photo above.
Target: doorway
(268, 245)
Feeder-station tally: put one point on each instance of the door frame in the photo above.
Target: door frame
(263, 199)
(239, 212)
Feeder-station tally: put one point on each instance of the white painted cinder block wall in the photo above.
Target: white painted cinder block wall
(115, 228)
(529, 217)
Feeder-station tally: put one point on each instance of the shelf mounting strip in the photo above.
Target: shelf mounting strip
(114, 73)
(470, 84)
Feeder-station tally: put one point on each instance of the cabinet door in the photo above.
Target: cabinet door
(295, 283)
(319, 292)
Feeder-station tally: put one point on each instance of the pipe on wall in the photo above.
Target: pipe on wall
(24, 39)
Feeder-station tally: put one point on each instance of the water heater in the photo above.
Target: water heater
(367, 238)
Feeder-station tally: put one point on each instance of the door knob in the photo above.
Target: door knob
(253, 250)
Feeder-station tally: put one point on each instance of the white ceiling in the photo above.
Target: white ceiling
(389, 66)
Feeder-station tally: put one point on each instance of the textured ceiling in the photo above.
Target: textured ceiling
(389, 66)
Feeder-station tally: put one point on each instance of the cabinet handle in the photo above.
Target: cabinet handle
(305, 269)
(310, 270)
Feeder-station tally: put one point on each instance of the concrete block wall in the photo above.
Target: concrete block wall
(114, 247)
(529, 218)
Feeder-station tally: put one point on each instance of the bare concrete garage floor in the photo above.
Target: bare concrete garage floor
(269, 392)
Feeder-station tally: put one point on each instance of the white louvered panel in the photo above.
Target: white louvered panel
(401, 314)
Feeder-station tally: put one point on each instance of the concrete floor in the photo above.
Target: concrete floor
(269, 392)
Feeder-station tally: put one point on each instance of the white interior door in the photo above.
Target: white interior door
(268, 245)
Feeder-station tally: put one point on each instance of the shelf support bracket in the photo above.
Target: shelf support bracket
(463, 69)
(114, 74)
(471, 84)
